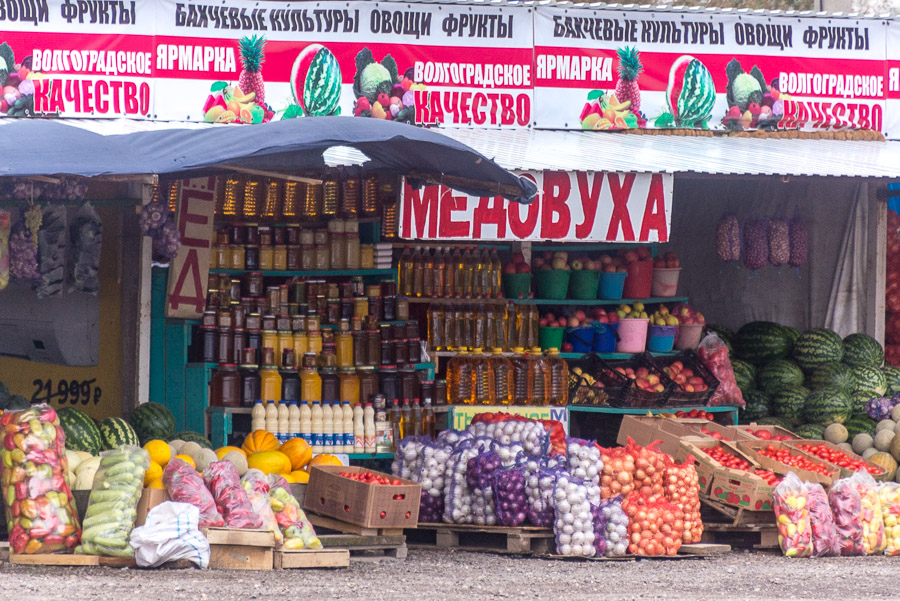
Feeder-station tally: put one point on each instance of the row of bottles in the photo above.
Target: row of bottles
(450, 273)
(525, 378)
(462, 327)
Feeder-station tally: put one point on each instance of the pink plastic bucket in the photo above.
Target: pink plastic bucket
(632, 335)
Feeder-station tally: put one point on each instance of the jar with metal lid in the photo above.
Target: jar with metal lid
(368, 383)
(415, 349)
(212, 281)
(389, 382)
(238, 316)
(223, 256)
(346, 308)
(234, 293)
(390, 305)
(284, 294)
(270, 339)
(224, 298)
(254, 281)
(226, 386)
(367, 256)
(254, 341)
(373, 344)
(208, 319)
(307, 236)
(223, 320)
(312, 322)
(212, 299)
(298, 291)
(376, 307)
(321, 257)
(293, 234)
(279, 257)
(351, 243)
(314, 343)
(336, 244)
(213, 256)
(239, 343)
(401, 351)
(401, 309)
(349, 386)
(252, 235)
(328, 341)
(388, 288)
(251, 257)
(360, 350)
(209, 344)
(285, 341)
(279, 235)
(440, 392)
(237, 256)
(387, 352)
(333, 311)
(265, 235)
(409, 383)
(307, 257)
(273, 299)
(237, 234)
(294, 257)
(253, 321)
(250, 380)
(360, 307)
(266, 258)
(373, 290)
(226, 346)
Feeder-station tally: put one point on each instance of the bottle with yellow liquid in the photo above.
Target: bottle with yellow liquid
(460, 381)
(418, 271)
(503, 377)
(405, 273)
(559, 378)
(521, 383)
(483, 371)
(539, 377)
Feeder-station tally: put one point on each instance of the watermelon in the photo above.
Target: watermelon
(316, 81)
(762, 341)
(152, 421)
(892, 378)
(778, 374)
(792, 333)
(868, 378)
(860, 425)
(115, 431)
(789, 402)
(759, 405)
(691, 92)
(818, 346)
(831, 375)
(828, 406)
(82, 434)
(861, 350)
(744, 374)
(810, 431)
(189, 436)
(860, 400)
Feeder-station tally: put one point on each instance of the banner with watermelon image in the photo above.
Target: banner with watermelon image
(448, 64)
(608, 69)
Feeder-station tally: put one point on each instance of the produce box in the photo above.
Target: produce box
(742, 489)
(744, 429)
(360, 503)
(750, 448)
(646, 429)
(695, 426)
(706, 466)
(845, 471)
(150, 498)
(237, 549)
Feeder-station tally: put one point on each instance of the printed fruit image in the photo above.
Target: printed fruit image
(750, 101)
(381, 92)
(230, 104)
(316, 81)
(16, 84)
(603, 111)
(690, 95)
(630, 68)
(252, 57)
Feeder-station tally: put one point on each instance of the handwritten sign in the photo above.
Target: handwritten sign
(189, 270)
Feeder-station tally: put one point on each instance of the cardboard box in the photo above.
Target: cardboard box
(750, 448)
(773, 430)
(150, 498)
(706, 466)
(695, 425)
(844, 471)
(742, 489)
(237, 549)
(367, 505)
(645, 430)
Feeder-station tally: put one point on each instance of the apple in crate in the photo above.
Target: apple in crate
(523, 268)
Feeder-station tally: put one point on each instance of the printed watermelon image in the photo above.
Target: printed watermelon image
(690, 94)
(316, 81)
(381, 92)
(752, 104)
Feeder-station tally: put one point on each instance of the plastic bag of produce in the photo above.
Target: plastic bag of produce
(112, 506)
(682, 489)
(791, 504)
(458, 497)
(298, 531)
(432, 477)
(4, 249)
(655, 526)
(598, 521)
(257, 486)
(889, 495)
(541, 475)
(846, 509)
(510, 499)
(799, 242)
(185, 485)
(408, 457)
(826, 541)
(779, 242)
(480, 472)
(40, 514)
(616, 533)
(52, 238)
(224, 482)
(617, 475)
(573, 523)
(714, 354)
(87, 236)
(872, 522)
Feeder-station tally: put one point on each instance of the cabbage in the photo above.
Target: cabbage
(743, 88)
(371, 80)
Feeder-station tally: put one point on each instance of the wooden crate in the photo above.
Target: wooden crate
(327, 523)
(367, 546)
(715, 512)
(497, 539)
(54, 559)
(236, 549)
(311, 558)
(753, 537)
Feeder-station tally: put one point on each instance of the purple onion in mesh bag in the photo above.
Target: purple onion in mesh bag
(599, 521)
(779, 242)
(728, 238)
(799, 236)
(880, 408)
(510, 499)
(756, 244)
(459, 498)
(539, 485)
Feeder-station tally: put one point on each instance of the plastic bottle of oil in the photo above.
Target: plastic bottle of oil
(479, 327)
(521, 383)
(436, 340)
(496, 270)
(469, 327)
(427, 274)
(539, 375)
(460, 380)
(428, 421)
(503, 377)
(483, 371)
(485, 274)
(459, 274)
(449, 269)
(469, 265)
(559, 378)
(490, 327)
(404, 273)
(437, 275)
(531, 327)
(418, 287)
(406, 427)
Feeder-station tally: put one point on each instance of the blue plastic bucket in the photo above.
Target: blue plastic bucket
(661, 338)
(582, 339)
(612, 285)
(607, 336)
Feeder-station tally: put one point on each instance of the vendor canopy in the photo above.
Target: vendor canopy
(131, 148)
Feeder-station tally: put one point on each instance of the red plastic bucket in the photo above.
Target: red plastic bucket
(639, 279)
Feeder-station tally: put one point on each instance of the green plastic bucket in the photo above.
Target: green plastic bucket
(516, 285)
(583, 284)
(550, 337)
(552, 283)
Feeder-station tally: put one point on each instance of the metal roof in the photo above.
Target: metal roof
(539, 150)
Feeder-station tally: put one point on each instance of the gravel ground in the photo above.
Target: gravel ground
(453, 576)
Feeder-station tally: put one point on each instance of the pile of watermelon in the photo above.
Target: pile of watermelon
(807, 381)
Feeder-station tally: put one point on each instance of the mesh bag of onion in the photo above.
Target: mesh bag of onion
(532, 435)
(584, 459)
(432, 477)
(458, 497)
(682, 489)
(407, 461)
(655, 527)
(573, 522)
(541, 475)
(632, 468)
(480, 472)
(616, 529)
(510, 498)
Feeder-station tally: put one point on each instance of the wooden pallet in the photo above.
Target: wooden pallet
(118, 562)
(492, 539)
(747, 537)
(4, 551)
(715, 512)
(309, 558)
(54, 559)
(361, 546)
(327, 523)
(692, 551)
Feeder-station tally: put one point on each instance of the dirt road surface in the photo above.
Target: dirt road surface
(458, 576)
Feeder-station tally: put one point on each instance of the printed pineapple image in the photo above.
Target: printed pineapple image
(630, 68)
(252, 56)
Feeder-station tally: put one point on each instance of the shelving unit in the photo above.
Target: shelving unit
(600, 302)
(313, 273)
(607, 356)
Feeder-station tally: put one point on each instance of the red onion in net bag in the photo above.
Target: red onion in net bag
(779, 242)
(756, 244)
(799, 236)
(728, 238)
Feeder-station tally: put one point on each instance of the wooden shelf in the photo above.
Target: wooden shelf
(309, 273)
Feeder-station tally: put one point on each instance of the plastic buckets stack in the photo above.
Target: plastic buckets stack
(665, 281)
(639, 280)
(582, 338)
(661, 338)
(583, 284)
(632, 335)
(606, 338)
(612, 285)
(516, 285)
(689, 336)
(550, 337)
(552, 283)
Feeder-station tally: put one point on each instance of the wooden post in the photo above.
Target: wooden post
(877, 264)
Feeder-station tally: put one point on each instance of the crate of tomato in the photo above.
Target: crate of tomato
(730, 476)
(849, 463)
(363, 497)
(777, 455)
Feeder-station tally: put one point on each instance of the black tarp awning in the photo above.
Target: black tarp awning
(51, 147)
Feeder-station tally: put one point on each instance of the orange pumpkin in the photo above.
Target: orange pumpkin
(323, 459)
(260, 440)
(222, 451)
(270, 462)
(299, 452)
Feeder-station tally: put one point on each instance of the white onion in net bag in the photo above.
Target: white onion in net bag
(573, 524)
